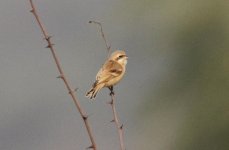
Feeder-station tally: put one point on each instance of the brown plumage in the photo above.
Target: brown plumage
(110, 74)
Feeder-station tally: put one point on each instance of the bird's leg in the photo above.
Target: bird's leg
(111, 90)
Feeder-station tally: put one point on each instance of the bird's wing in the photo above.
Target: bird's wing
(109, 70)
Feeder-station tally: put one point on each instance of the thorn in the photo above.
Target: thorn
(84, 117)
(90, 21)
(121, 127)
(90, 147)
(48, 38)
(112, 120)
(48, 46)
(110, 103)
(70, 92)
(32, 10)
(60, 76)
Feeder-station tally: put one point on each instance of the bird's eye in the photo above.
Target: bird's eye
(120, 56)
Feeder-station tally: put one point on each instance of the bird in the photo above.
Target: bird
(110, 73)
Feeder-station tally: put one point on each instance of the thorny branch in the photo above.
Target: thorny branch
(116, 120)
(112, 94)
(62, 76)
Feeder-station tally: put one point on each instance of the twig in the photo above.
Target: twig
(116, 120)
(108, 47)
(62, 76)
(112, 102)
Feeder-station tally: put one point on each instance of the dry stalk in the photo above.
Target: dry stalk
(112, 94)
(62, 76)
(108, 47)
(119, 126)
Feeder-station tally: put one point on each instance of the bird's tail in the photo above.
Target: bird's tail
(94, 90)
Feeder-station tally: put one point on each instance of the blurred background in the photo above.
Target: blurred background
(174, 95)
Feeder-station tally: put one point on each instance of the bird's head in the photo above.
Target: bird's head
(119, 56)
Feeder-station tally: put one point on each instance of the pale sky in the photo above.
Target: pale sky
(36, 113)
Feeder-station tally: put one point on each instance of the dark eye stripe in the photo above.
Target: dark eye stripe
(120, 56)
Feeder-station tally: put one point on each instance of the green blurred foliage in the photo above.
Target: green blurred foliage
(194, 36)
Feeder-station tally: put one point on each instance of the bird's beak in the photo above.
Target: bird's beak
(126, 57)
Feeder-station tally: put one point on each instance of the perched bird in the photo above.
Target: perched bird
(110, 74)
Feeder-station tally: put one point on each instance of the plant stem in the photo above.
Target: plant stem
(116, 120)
(63, 77)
